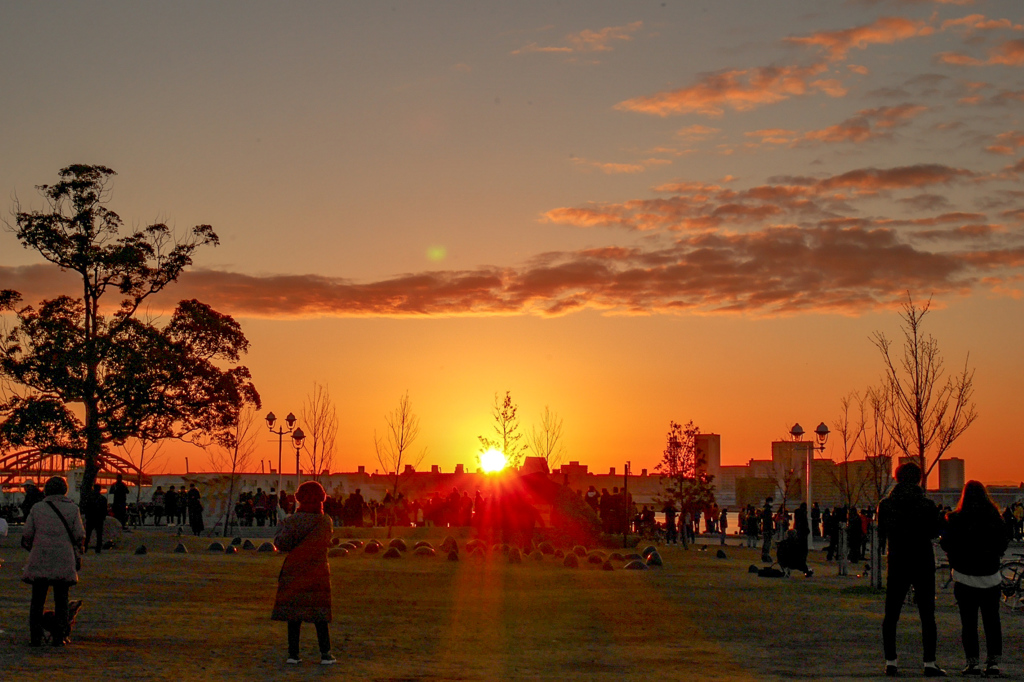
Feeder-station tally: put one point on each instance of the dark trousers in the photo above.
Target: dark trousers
(94, 525)
(970, 600)
(40, 587)
(766, 547)
(670, 532)
(323, 637)
(897, 584)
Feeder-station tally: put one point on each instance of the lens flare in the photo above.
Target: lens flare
(492, 461)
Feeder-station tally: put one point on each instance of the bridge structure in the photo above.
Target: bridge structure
(34, 465)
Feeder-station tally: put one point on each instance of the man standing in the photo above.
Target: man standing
(767, 530)
(120, 492)
(670, 523)
(908, 521)
(95, 515)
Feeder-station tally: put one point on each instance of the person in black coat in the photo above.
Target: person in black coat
(95, 515)
(908, 521)
(974, 538)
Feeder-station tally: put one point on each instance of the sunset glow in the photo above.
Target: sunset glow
(492, 461)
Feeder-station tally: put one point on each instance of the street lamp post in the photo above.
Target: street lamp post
(290, 419)
(297, 439)
(820, 435)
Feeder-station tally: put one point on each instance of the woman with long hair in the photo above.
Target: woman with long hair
(974, 539)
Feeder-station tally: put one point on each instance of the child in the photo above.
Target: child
(304, 585)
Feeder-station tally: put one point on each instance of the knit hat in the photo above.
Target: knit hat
(310, 497)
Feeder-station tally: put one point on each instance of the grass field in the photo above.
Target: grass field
(202, 616)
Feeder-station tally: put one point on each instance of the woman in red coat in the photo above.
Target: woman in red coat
(304, 585)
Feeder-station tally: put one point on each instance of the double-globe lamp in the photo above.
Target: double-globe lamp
(820, 435)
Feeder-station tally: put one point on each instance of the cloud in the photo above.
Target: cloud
(979, 22)
(587, 40)
(1008, 53)
(868, 124)
(1007, 143)
(739, 90)
(696, 132)
(885, 30)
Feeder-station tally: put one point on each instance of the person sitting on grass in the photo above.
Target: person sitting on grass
(304, 584)
(792, 554)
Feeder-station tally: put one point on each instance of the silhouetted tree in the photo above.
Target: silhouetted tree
(393, 448)
(546, 441)
(233, 451)
(689, 485)
(129, 376)
(506, 431)
(320, 416)
(925, 411)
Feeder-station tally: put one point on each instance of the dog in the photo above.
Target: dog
(52, 631)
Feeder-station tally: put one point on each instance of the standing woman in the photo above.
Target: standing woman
(53, 534)
(974, 539)
(304, 585)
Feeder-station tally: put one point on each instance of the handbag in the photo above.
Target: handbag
(74, 545)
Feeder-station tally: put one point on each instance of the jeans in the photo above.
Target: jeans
(40, 587)
(897, 584)
(97, 526)
(969, 600)
(323, 637)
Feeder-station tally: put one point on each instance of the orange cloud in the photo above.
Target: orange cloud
(885, 30)
(1009, 53)
(979, 22)
(588, 40)
(868, 124)
(740, 90)
(1007, 143)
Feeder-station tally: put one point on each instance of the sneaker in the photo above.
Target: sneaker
(293, 661)
(891, 671)
(934, 671)
(992, 670)
(327, 659)
(971, 669)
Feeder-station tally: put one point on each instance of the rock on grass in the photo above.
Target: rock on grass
(267, 547)
(654, 559)
(607, 566)
(392, 553)
(422, 543)
(647, 550)
(580, 551)
(635, 565)
(515, 556)
(248, 544)
(425, 551)
(215, 547)
(372, 548)
(546, 547)
(141, 549)
(571, 561)
(399, 544)
(337, 552)
(453, 555)
(180, 548)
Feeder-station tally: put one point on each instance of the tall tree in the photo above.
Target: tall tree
(320, 416)
(925, 410)
(546, 441)
(689, 485)
(129, 376)
(850, 428)
(507, 436)
(394, 448)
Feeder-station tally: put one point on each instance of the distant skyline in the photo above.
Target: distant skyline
(629, 212)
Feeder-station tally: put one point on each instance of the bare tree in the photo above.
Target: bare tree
(320, 416)
(233, 451)
(506, 430)
(850, 428)
(142, 452)
(926, 411)
(393, 448)
(878, 445)
(546, 441)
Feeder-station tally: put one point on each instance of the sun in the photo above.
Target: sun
(492, 461)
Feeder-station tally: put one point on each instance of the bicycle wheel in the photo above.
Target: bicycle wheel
(944, 586)
(1012, 572)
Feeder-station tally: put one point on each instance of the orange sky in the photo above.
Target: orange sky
(631, 214)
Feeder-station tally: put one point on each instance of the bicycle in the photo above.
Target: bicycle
(1012, 592)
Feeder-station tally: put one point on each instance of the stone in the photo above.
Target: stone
(647, 550)
(505, 548)
(478, 553)
(654, 559)
(597, 553)
(453, 555)
(537, 555)
(546, 547)
(580, 551)
(449, 544)
(595, 558)
(248, 544)
(615, 556)
(349, 546)
(607, 566)
(515, 556)
(231, 549)
(267, 547)
(571, 561)
(720, 554)
(371, 548)
(425, 551)
(474, 544)
(559, 554)
(141, 549)
(215, 547)
(181, 549)
(752, 569)
(399, 544)
(635, 565)
(393, 553)
(335, 542)
(422, 543)
(337, 551)
(236, 541)
(634, 557)
(357, 543)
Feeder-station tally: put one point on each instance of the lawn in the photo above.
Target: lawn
(202, 616)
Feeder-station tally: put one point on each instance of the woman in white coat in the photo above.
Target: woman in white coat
(52, 559)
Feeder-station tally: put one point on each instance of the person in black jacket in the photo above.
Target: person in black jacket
(95, 515)
(908, 521)
(974, 539)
